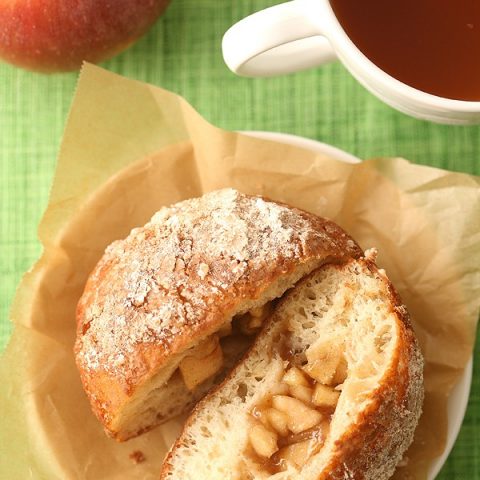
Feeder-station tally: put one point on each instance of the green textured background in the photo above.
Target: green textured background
(182, 53)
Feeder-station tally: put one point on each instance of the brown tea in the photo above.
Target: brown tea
(432, 45)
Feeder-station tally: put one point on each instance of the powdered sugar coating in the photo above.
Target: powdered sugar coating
(184, 267)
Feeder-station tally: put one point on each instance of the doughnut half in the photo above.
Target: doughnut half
(162, 296)
(331, 389)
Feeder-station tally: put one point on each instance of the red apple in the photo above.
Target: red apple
(57, 35)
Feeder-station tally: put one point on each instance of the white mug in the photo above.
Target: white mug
(301, 34)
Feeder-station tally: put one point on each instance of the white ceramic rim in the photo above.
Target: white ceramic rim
(335, 32)
(458, 399)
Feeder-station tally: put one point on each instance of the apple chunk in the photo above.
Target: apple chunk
(206, 360)
(53, 35)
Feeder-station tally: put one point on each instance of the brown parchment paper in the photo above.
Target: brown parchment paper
(130, 148)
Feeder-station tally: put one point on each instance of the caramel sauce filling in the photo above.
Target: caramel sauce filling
(292, 422)
(207, 358)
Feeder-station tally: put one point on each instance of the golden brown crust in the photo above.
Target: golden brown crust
(176, 279)
(371, 449)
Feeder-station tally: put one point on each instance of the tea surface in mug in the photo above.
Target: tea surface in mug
(432, 45)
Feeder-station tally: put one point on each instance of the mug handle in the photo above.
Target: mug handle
(280, 39)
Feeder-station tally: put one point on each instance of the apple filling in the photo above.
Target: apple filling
(207, 358)
(251, 322)
(292, 423)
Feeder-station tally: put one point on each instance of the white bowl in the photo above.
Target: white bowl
(458, 399)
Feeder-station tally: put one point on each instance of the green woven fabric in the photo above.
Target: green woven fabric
(182, 53)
